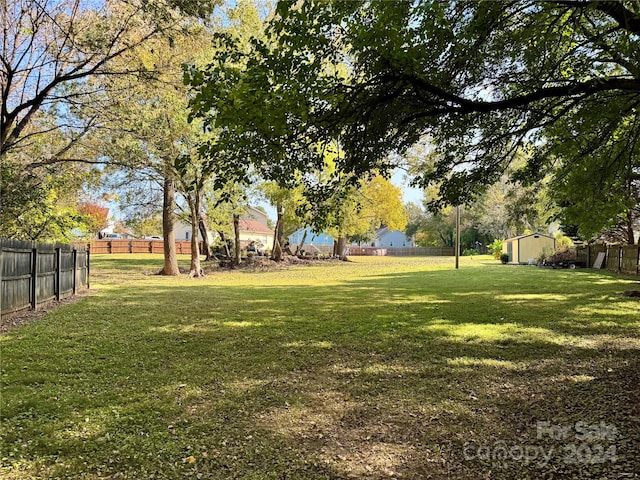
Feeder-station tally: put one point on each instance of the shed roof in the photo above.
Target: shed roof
(535, 234)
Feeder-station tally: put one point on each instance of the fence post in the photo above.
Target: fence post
(620, 258)
(34, 278)
(58, 274)
(88, 267)
(74, 278)
(637, 263)
(1, 267)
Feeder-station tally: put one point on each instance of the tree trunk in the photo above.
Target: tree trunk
(223, 239)
(341, 247)
(170, 256)
(194, 206)
(628, 230)
(276, 251)
(236, 232)
(278, 239)
(204, 233)
(304, 239)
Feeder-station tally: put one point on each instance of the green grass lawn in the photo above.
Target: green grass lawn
(376, 368)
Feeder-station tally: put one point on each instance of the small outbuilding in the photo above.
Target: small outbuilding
(527, 248)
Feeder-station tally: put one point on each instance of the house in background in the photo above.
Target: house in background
(253, 228)
(115, 231)
(182, 232)
(386, 238)
(527, 248)
(257, 215)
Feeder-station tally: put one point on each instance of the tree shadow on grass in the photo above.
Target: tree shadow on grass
(380, 378)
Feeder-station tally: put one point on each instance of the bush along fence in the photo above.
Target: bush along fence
(617, 258)
(183, 247)
(32, 274)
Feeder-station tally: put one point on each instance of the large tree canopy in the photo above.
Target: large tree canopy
(51, 54)
(480, 78)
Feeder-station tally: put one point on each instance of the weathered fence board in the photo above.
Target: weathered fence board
(34, 273)
(619, 258)
(594, 250)
(612, 261)
(629, 259)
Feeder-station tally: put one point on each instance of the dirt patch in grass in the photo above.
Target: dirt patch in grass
(25, 317)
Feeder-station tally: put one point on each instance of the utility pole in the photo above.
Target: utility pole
(457, 237)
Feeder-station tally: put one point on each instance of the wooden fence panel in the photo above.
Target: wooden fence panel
(34, 273)
(404, 251)
(582, 255)
(629, 259)
(140, 246)
(16, 274)
(594, 250)
(101, 246)
(82, 268)
(67, 274)
(612, 261)
(157, 246)
(421, 251)
(619, 258)
(367, 251)
(120, 246)
(183, 247)
(46, 279)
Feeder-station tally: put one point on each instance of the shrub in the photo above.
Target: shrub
(496, 248)
(563, 243)
(469, 251)
(504, 258)
(545, 254)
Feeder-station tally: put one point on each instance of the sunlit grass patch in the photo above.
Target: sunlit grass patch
(491, 362)
(532, 297)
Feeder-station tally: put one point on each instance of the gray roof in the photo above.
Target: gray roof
(538, 234)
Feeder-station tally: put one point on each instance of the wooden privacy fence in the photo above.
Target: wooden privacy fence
(35, 273)
(421, 251)
(618, 258)
(137, 246)
(404, 251)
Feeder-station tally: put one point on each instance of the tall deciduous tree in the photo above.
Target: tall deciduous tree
(52, 55)
(148, 125)
(50, 50)
(368, 206)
